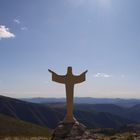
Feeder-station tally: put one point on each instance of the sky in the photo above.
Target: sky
(102, 36)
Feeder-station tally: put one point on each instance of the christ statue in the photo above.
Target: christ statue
(69, 80)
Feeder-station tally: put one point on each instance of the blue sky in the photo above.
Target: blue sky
(102, 36)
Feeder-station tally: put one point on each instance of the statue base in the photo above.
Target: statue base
(71, 131)
(69, 119)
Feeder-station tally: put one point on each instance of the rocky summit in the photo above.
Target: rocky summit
(71, 131)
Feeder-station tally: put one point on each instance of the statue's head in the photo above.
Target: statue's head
(69, 70)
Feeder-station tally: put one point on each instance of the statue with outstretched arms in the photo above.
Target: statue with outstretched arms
(69, 80)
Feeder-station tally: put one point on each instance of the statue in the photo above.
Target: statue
(69, 80)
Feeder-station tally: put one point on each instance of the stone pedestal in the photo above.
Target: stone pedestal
(71, 131)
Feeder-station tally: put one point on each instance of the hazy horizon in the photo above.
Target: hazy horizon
(64, 97)
(102, 36)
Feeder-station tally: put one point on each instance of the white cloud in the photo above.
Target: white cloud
(104, 75)
(23, 28)
(17, 21)
(5, 32)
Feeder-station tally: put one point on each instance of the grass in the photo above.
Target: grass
(16, 128)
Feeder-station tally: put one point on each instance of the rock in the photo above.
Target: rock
(71, 131)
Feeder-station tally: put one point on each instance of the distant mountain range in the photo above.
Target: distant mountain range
(88, 100)
(49, 114)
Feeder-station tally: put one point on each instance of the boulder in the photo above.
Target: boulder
(71, 131)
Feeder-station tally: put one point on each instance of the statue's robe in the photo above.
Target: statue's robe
(69, 80)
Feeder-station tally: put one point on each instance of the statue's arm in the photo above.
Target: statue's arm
(80, 78)
(84, 72)
(51, 71)
(56, 77)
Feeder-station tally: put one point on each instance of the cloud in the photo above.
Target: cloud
(17, 21)
(23, 28)
(5, 32)
(102, 75)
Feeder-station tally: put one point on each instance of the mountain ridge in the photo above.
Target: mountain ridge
(90, 100)
(49, 116)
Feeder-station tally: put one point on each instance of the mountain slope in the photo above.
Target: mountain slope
(50, 115)
(95, 119)
(30, 112)
(100, 119)
(109, 108)
(14, 127)
(131, 113)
